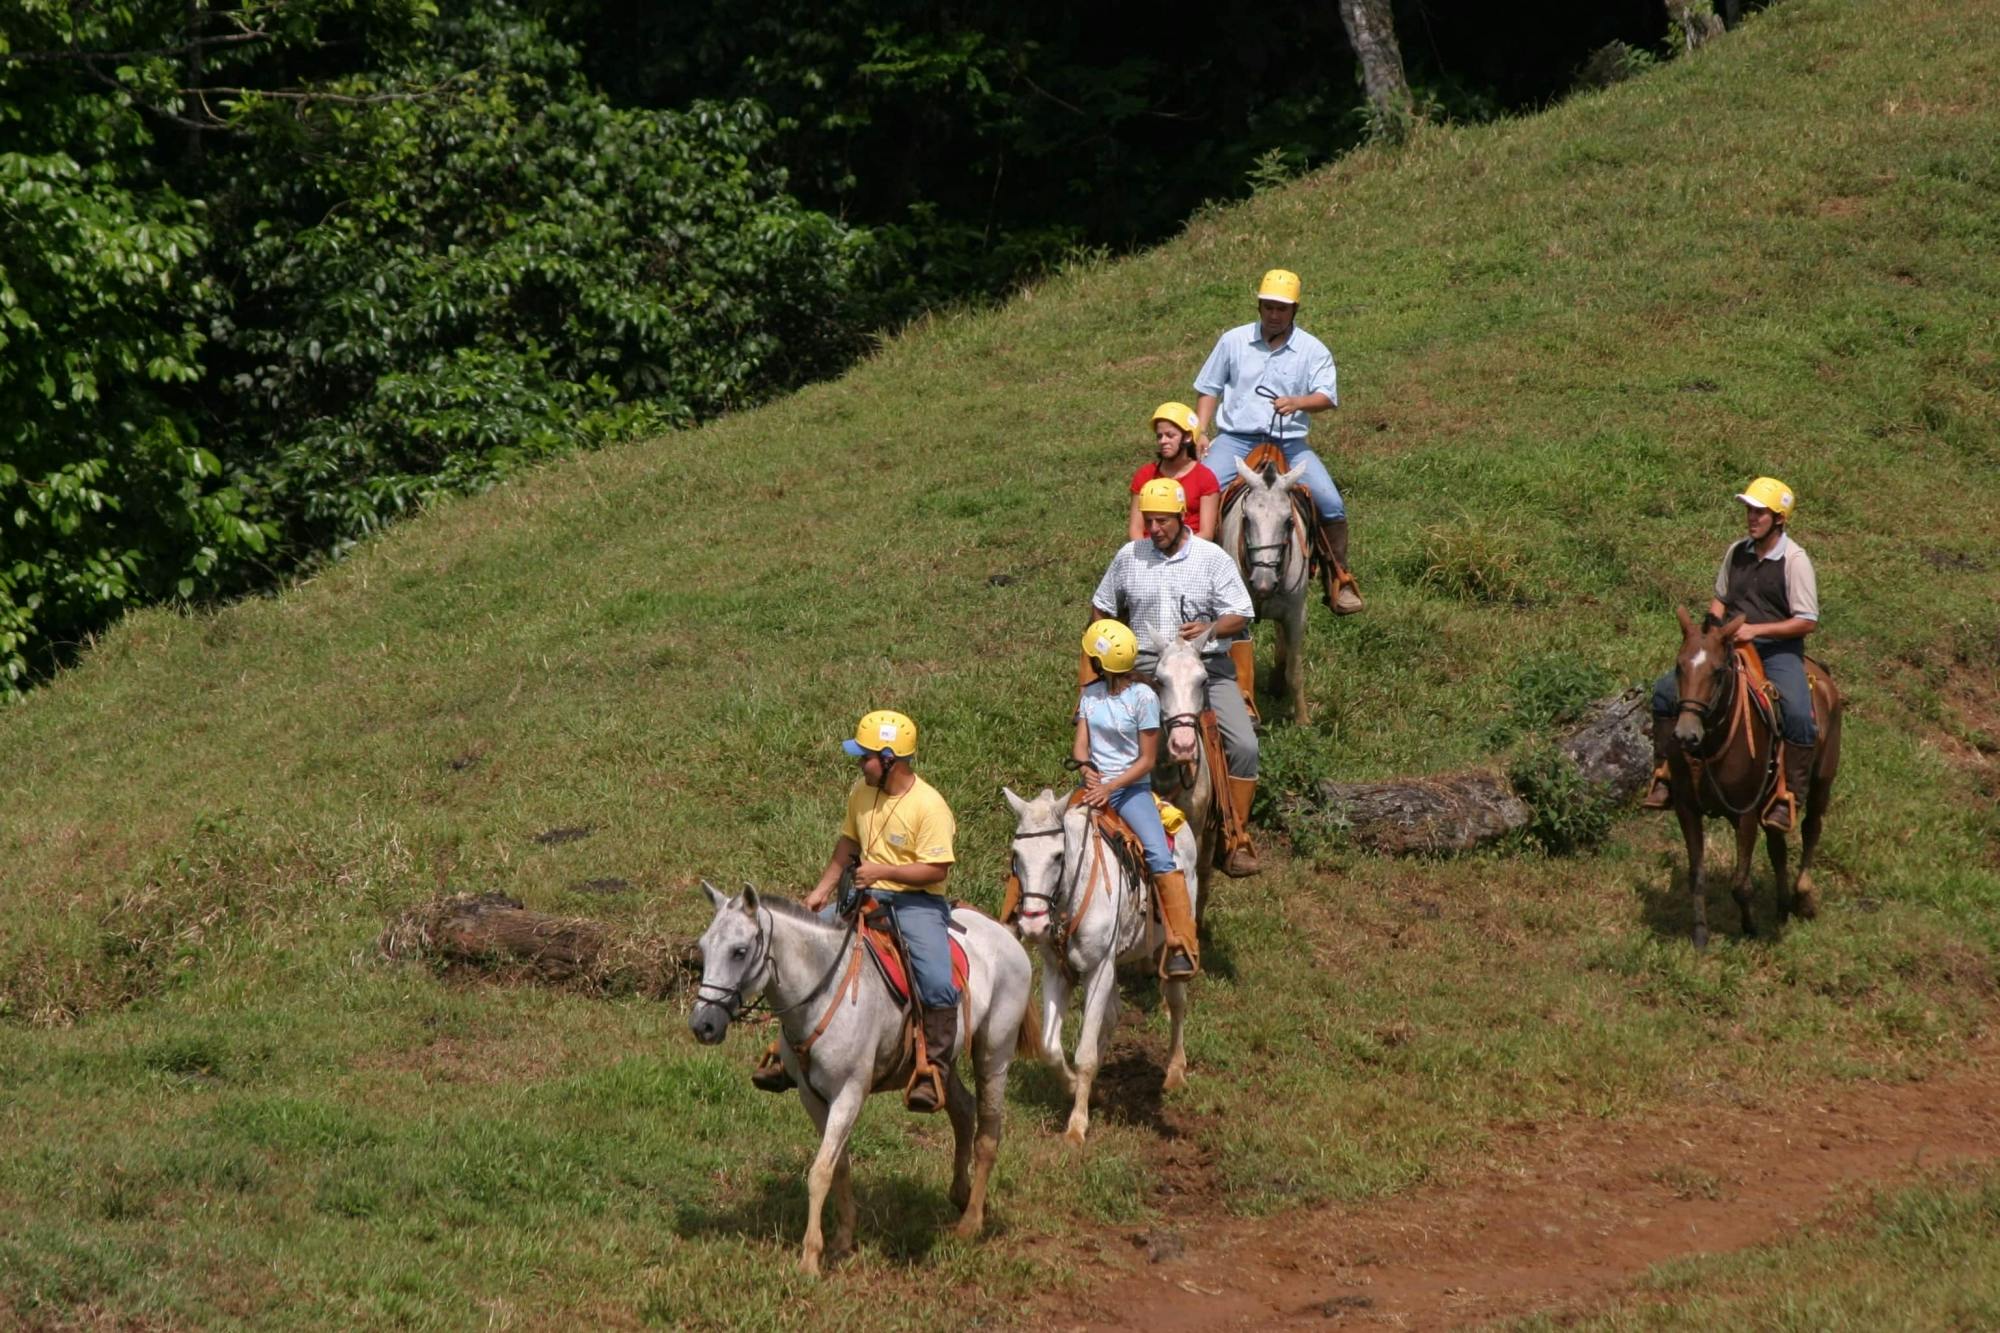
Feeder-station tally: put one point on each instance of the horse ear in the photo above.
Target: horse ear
(1020, 806)
(715, 896)
(1295, 476)
(1206, 635)
(1730, 626)
(749, 898)
(1687, 621)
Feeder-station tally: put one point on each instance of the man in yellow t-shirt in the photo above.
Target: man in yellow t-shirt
(898, 838)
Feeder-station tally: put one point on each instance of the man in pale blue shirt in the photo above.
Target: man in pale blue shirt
(1295, 374)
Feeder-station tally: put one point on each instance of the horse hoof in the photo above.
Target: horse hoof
(809, 1265)
(1075, 1134)
(1701, 939)
(969, 1227)
(1176, 1079)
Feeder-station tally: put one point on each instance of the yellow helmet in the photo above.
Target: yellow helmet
(1280, 284)
(1180, 414)
(883, 730)
(1770, 493)
(1162, 495)
(1115, 647)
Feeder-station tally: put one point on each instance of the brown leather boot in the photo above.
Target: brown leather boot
(1241, 863)
(926, 1091)
(1343, 594)
(1660, 795)
(1182, 957)
(771, 1074)
(1246, 675)
(1794, 781)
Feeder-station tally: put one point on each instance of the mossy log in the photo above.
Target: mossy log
(494, 934)
(1457, 812)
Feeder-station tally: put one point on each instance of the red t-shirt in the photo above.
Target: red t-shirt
(1197, 482)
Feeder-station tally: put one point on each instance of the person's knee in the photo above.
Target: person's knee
(1666, 696)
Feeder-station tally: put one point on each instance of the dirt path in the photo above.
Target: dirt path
(1560, 1219)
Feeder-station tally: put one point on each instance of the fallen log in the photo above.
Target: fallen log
(1613, 745)
(496, 935)
(1456, 812)
(1435, 816)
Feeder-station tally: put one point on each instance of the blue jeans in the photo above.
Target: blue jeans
(1135, 805)
(1785, 663)
(924, 919)
(1226, 451)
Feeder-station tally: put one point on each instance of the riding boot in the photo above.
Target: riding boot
(771, 1074)
(1010, 902)
(1246, 675)
(1182, 957)
(926, 1091)
(1794, 778)
(1343, 594)
(1660, 795)
(1241, 862)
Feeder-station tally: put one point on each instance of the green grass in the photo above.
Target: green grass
(1564, 343)
(1926, 1257)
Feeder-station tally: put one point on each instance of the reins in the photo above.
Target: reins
(1733, 696)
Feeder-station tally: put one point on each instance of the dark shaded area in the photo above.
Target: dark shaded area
(990, 138)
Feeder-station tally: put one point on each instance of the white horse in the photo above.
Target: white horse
(843, 1036)
(1271, 543)
(1088, 911)
(1182, 772)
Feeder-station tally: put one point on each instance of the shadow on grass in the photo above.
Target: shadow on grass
(898, 1215)
(1668, 911)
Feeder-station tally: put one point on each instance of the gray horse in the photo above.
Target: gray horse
(1266, 534)
(1088, 913)
(843, 1037)
(1182, 772)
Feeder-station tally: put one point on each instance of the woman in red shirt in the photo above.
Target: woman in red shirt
(1173, 433)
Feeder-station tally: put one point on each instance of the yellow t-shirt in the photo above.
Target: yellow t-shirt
(900, 830)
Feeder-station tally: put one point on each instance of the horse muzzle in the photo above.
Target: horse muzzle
(709, 1023)
(1687, 729)
(1183, 743)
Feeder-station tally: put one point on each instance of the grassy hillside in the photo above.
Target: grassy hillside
(1564, 343)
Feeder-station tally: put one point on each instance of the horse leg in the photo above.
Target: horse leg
(991, 1055)
(958, 1105)
(1774, 845)
(1805, 898)
(1691, 834)
(1055, 1002)
(1292, 629)
(1739, 883)
(1177, 1054)
(1100, 1008)
(836, 1122)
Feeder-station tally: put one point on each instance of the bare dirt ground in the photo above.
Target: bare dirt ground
(1558, 1220)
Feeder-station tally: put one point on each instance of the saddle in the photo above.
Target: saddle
(885, 950)
(1266, 455)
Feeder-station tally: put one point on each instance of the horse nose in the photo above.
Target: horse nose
(1688, 731)
(708, 1023)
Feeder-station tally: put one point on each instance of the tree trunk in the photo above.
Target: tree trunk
(1371, 30)
(494, 934)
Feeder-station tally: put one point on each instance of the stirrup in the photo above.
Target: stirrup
(1178, 965)
(926, 1083)
(1660, 794)
(1782, 814)
(770, 1075)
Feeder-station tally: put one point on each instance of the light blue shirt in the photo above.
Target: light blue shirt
(1115, 721)
(1242, 361)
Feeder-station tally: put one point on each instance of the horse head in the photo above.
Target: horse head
(1705, 655)
(1269, 527)
(1181, 680)
(735, 962)
(1038, 856)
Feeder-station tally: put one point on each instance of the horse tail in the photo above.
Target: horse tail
(1028, 1041)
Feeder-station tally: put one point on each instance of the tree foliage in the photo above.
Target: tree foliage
(259, 296)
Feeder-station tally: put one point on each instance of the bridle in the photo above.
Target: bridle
(729, 999)
(1723, 697)
(1026, 896)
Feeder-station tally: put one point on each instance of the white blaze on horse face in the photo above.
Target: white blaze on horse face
(1182, 681)
(1700, 658)
(1037, 858)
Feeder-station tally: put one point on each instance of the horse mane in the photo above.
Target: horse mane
(783, 906)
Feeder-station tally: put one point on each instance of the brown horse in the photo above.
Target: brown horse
(1723, 763)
